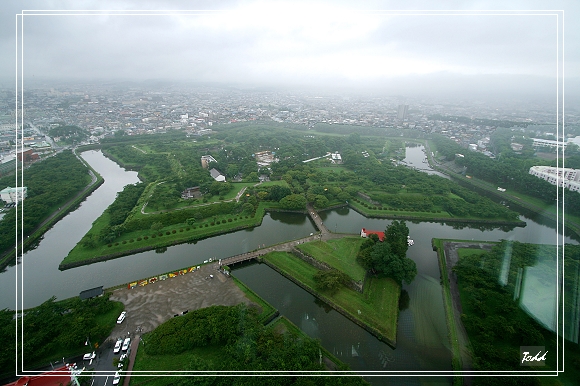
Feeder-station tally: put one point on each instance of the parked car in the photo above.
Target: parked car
(118, 346)
(126, 344)
(121, 317)
(116, 378)
(121, 359)
(90, 355)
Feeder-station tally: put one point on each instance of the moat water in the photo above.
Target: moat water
(422, 342)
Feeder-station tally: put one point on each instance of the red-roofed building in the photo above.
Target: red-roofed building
(366, 233)
(58, 377)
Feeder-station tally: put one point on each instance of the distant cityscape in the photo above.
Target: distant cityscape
(105, 110)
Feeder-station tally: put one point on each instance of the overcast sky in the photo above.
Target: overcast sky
(298, 43)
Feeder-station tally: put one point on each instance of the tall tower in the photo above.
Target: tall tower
(402, 113)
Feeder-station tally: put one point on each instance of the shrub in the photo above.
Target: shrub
(193, 227)
(223, 221)
(109, 245)
(116, 244)
(160, 234)
(131, 241)
(235, 219)
(181, 229)
(173, 231)
(188, 228)
(211, 223)
(124, 242)
(139, 238)
(153, 236)
(206, 225)
(230, 220)
(146, 237)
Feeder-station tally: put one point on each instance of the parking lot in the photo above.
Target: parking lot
(149, 306)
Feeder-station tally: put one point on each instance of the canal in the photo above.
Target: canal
(422, 342)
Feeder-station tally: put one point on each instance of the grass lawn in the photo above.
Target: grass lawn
(378, 307)
(335, 169)
(339, 254)
(462, 252)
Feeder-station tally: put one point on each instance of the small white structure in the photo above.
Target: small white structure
(11, 195)
(216, 175)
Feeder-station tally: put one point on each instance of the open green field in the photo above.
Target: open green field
(378, 307)
(339, 254)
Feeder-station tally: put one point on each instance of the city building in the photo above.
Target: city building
(562, 177)
(26, 155)
(402, 112)
(12, 195)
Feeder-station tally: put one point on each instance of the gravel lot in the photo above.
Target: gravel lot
(149, 306)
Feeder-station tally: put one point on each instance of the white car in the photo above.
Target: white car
(126, 344)
(121, 359)
(118, 346)
(90, 355)
(121, 317)
(116, 378)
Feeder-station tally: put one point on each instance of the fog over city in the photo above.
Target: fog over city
(486, 49)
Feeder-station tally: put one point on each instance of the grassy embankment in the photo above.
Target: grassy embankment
(268, 311)
(338, 254)
(456, 361)
(376, 309)
(143, 240)
(370, 210)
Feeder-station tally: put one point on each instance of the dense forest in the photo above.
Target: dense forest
(50, 183)
(56, 329)
(495, 323)
(243, 343)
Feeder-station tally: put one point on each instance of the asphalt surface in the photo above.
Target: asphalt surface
(149, 306)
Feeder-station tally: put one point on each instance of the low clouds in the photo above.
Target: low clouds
(285, 43)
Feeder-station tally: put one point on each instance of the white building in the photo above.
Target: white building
(216, 175)
(562, 177)
(11, 195)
